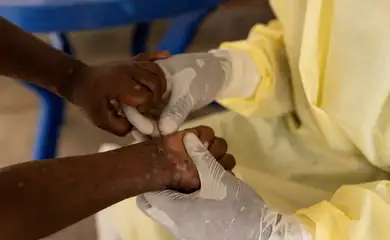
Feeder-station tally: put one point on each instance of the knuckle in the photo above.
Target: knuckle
(231, 158)
(154, 84)
(138, 99)
(221, 144)
(205, 129)
(227, 161)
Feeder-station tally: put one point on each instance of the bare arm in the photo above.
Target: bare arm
(97, 90)
(24, 56)
(39, 198)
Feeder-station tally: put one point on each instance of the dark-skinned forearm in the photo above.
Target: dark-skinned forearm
(39, 198)
(24, 56)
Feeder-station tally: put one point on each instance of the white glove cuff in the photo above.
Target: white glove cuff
(243, 78)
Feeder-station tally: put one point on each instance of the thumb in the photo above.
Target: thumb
(210, 171)
(139, 121)
(115, 124)
(175, 113)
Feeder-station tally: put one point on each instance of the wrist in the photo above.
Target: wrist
(161, 174)
(147, 165)
(74, 78)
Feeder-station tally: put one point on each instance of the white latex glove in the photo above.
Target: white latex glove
(194, 80)
(224, 208)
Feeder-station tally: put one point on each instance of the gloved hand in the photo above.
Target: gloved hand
(193, 81)
(224, 207)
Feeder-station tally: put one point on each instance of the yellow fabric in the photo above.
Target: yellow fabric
(265, 46)
(324, 155)
(354, 212)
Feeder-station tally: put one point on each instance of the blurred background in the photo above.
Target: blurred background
(19, 107)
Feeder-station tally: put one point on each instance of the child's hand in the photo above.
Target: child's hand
(170, 157)
(173, 165)
(185, 177)
(99, 91)
(224, 207)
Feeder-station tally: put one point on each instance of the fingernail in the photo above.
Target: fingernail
(137, 87)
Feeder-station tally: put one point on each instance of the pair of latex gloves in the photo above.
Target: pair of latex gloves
(224, 207)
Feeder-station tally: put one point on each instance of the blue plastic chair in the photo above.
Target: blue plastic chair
(57, 17)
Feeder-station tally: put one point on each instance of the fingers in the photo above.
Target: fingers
(109, 117)
(145, 60)
(151, 67)
(227, 161)
(215, 145)
(118, 125)
(145, 88)
(113, 123)
(218, 147)
(132, 93)
(205, 134)
(142, 85)
(157, 84)
(175, 141)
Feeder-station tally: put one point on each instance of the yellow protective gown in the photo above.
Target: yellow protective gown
(323, 152)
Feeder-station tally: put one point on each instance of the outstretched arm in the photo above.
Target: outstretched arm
(98, 90)
(24, 56)
(39, 198)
